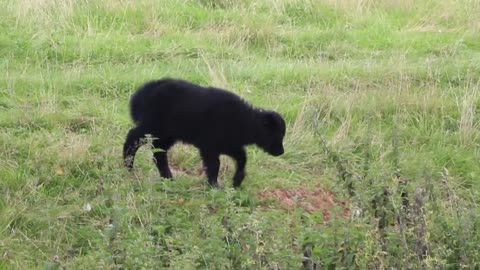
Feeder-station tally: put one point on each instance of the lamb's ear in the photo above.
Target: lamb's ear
(268, 119)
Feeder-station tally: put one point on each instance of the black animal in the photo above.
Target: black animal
(213, 120)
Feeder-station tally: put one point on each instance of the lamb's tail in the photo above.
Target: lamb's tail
(140, 99)
(135, 114)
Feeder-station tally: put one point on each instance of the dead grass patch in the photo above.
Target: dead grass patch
(309, 199)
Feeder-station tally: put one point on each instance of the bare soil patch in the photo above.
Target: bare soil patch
(309, 199)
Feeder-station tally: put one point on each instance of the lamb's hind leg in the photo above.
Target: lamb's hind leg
(160, 155)
(132, 143)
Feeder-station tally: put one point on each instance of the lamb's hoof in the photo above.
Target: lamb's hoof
(238, 179)
(128, 163)
(167, 176)
(213, 185)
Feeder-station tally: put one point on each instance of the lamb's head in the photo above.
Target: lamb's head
(271, 132)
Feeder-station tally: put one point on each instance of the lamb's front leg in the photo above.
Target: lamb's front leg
(241, 159)
(211, 162)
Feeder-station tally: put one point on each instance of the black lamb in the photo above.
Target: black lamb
(214, 120)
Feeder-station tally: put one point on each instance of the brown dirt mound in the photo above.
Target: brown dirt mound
(309, 199)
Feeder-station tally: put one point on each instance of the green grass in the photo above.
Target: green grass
(375, 94)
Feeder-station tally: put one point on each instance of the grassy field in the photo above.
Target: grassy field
(381, 168)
